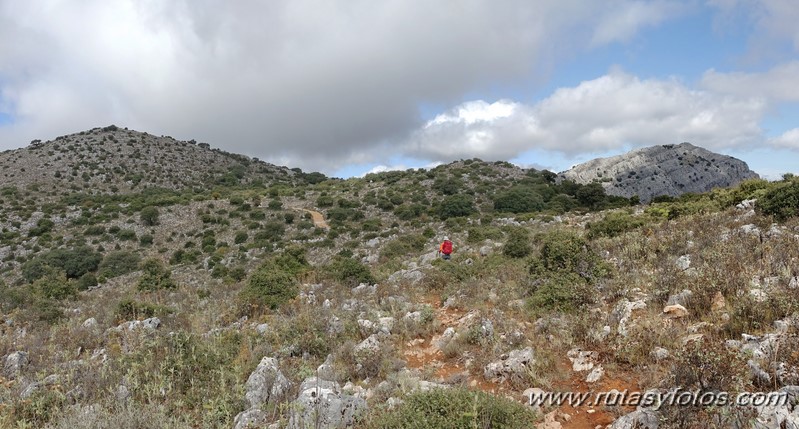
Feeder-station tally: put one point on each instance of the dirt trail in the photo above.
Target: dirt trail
(423, 354)
(318, 219)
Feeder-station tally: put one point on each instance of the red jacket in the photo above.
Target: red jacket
(446, 247)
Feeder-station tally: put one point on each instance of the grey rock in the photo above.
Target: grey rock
(684, 262)
(661, 170)
(321, 404)
(90, 323)
(326, 370)
(15, 363)
(622, 313)
(659, 353)
(364, 289)
(638, 419)
(123, 394)
(510, 366)
(366, 349)
(335, 326)
(262, 328)
(445, 338)
(746, 204)
(29, 390)
(683, 298)
(758, 374)
(250, 419)
(266, 384)
(485, 250)
(151, 323)
(750, 229)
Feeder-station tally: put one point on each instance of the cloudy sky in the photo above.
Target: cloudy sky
(350, 86)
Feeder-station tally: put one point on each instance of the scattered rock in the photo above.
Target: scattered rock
(675, 311)
(750, 229)
(510, 366)
(266, 384)
(262, 328)
(684, 262)
(366, 349)
(326, 370)
(15, 363)
(90, 323)
(682, 298)
(638, 419)
(485, 250)
(250, 419)
(582, 360)
(595, 374)
(659, 353)
(621, 314)
(322, 404)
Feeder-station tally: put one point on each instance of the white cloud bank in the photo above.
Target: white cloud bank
(610, 112)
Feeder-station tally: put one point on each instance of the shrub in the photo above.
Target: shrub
(118, 263)
(55, 286)
(519, 199)
(782, 201)
(149, 215)
(456, 408)
(456, 206)
(613, 224)
(86, 281)
(518, 244)
(129, 309)
(404, 245)
(126, 235)
(73, 262)
(240, 237)
(563, 275)
(350, 272)
(43, 226)
(269, 287)
(155, 276)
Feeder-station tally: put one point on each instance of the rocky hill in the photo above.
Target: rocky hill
(662, 170)
(117, 160)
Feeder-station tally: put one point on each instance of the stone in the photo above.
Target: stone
(90, 323)
(321, 404)
(675, 311)
(326, 370)
(366, 349)
(510, 366)
(15, 363)
(595, 374)
(123, 394)
(638, 419)
(267, 384)
(152, 323)
(750, 229)
(659, 353)
(262, 328)
(622, 313)
(682, 298)
(684, 262)
(250, 419)
(582, 360)
(485, 250)
(335, 326)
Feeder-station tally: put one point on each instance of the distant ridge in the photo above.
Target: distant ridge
(672, 170)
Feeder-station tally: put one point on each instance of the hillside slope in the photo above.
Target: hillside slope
(662, 170)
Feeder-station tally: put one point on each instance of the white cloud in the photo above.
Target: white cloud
(788, 139)
(622, 21)
(614, 111)
(314, 83)
(777, 84)
(772, 20)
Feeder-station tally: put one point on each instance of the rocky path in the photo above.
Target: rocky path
(425, 355)
(318, 219)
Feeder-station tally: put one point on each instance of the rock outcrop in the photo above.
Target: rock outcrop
(661, 170)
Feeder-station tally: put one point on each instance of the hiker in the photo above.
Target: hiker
(445, 249)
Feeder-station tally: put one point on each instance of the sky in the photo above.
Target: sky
(348, 87)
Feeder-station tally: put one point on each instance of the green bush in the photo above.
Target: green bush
(129, 309)
(149, 215)
(456, 206)
(519, 199)
(351, 272)
(404, 245)
(155, 276)
(55, 286)
(613, 224)
(518, 244)
(456, 408)
(781, 201)
(563, 276)
(269, 287)
(240, 237)
(126, 235)
(117, 263)
(73, 262)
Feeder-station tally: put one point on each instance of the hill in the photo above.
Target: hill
(228, 303)
(670, 170)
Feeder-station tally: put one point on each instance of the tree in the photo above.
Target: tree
(149, 215)
(519, 199)
(456, 206)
